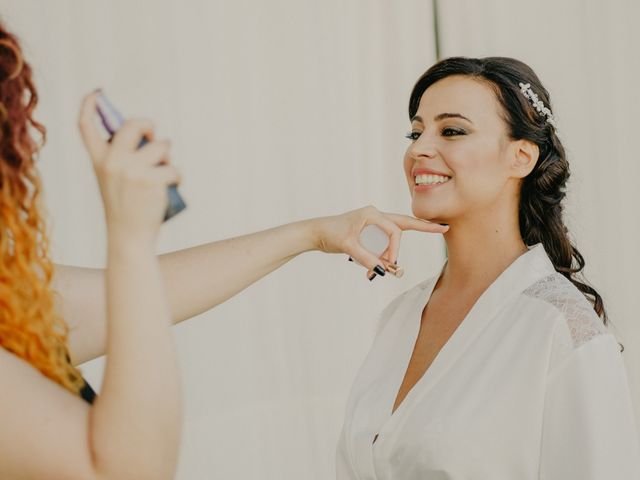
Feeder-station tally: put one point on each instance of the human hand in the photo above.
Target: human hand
(341, 234)
(133, 182)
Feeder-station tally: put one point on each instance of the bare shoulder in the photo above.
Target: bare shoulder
(45, 427)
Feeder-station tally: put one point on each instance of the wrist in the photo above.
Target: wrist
(123, 242)
(313, 234)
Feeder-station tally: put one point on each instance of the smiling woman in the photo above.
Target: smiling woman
(479, 153)
(501, 366)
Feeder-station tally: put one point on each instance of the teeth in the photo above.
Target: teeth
(425, 179)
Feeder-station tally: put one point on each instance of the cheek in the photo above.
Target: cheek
(479, 181)
(408, 165)
(463, 159)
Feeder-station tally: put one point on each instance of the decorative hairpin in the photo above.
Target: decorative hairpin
(538, 104)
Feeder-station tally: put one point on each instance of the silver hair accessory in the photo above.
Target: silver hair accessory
(538, 104)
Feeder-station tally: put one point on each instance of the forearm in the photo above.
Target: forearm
(199, 278)
(135, 422)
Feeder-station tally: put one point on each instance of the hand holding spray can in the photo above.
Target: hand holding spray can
(112, 121)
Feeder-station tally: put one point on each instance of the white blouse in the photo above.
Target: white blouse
(531, 385)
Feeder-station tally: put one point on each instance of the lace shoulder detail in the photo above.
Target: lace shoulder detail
(582, 322)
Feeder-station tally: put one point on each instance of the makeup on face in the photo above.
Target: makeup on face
(112, 120)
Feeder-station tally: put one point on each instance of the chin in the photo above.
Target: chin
(428, 214)
(430, 218)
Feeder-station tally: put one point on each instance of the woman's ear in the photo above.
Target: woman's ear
(524, 158)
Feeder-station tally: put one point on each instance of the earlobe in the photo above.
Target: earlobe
(525, 157)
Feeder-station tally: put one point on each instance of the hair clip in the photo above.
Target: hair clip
(537, 104)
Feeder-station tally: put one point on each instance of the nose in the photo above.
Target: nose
(422, 147)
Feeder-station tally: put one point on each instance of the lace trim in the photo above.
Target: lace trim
(582, 321)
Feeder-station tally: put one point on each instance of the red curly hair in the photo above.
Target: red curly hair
(29, 326)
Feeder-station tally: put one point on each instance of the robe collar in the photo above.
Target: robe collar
(525, 270)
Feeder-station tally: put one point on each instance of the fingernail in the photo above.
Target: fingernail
(396, 270)
(379, 270)
(372, 277)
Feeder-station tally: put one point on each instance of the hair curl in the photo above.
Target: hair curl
(542, 191)
(29, 326)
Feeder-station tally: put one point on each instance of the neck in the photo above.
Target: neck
(480, 247)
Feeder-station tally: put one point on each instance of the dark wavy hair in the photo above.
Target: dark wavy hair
(542, 191)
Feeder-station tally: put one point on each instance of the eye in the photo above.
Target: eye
(446, 132)
(453, 131)
(413, 135)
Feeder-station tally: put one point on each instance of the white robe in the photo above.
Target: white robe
(531, 385)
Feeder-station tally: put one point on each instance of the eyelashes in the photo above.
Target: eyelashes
(454, 131)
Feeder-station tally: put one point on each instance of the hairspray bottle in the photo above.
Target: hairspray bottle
(112, 121)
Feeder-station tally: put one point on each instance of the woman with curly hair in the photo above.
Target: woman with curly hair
(53, 424)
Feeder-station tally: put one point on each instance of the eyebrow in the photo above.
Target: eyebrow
(441, 116)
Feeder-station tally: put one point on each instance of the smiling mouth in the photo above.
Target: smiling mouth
(426, 179)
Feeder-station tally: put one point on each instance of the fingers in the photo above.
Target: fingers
(406, 222)
(155, 153)
(167, 174)
(91, 137)
(367, 259)
(386, 264)
(394, 233)
(127, 138)
(390, 255)
(129, 135)
(146, 159)
(393, 225)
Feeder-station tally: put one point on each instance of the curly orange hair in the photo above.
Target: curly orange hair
(29, 326)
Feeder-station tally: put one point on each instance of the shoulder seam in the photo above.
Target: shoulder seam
(598, 338)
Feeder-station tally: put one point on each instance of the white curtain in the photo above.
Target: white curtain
(586, 54)
(277, 111)
(290, 109)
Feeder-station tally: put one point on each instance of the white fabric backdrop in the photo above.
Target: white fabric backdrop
(284, 110)
(585, 53)
(277, 111)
